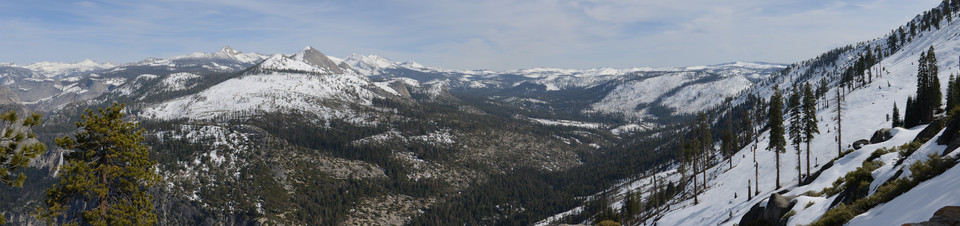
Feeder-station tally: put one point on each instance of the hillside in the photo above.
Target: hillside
(867, 107)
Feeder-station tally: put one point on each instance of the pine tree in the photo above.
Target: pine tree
(929, 97)
(810, 127)
(706, 143)
(728, 144)
(896, 116)
(777, 141)
(795, 131)
(910, 116)
(105, 180)
(689, 155)
(951, 93)
(18, 146)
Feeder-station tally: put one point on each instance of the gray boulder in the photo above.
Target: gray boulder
(881, 136)
(777, 206)
(752, 215)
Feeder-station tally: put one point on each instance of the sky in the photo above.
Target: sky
(452, 34)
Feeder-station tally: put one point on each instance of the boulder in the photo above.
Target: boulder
(752, 215)
(777, 206)
(928, 133)
(948, 215)
(859, 144)
(881, 136)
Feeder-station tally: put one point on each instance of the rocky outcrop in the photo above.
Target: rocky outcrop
(752, 216)
(935, 126)
(776, 206)
(881, 136)
(316, 58)
(948, 215)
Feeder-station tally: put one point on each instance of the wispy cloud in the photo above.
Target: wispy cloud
(462, 34)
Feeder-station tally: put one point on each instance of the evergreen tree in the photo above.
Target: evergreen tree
(929, 97)
(689, 155)
(105, 180)
(706, 143)
(777, 141)
(910, 116)
(896, 116)
(795, 131)
(951, 93)
(17, 147)
(810, 127)
(728, 145)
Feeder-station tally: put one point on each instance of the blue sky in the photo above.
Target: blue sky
(453, 34)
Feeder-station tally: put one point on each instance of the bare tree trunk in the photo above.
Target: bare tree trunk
(777, 153)
(808, 158)
(799, 169)
(839, 128)
(695, 187)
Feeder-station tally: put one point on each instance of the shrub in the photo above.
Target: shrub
(907, 149)
(922, 171)
(879, 152)
(608, 223)
(839, 215)
(788, 215)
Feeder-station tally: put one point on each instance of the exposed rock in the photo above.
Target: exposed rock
(777, 206)
(881, 136)
(401, 88)
(859, 144)
(949, 136)
(316, 58)
(814, 176)
(753, 215)
(948, 215)
(935, 126)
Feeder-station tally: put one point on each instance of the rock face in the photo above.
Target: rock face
(948, 215)
(881, 136)
(316, 58)
(777, 206)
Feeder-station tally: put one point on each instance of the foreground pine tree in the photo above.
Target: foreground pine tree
(104, 181)
(17, 148)
(777, 142)
(810, 128)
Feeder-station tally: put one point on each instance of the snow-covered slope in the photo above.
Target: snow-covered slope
(866, 110)
(274, 92)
